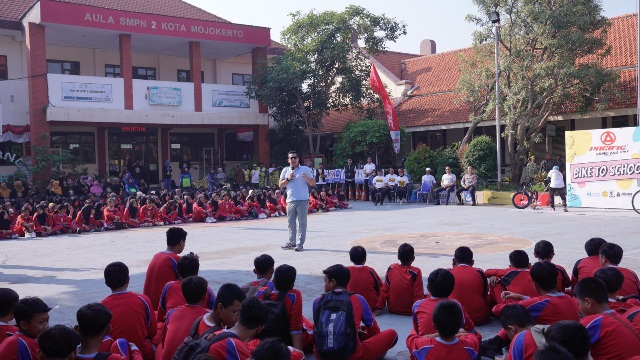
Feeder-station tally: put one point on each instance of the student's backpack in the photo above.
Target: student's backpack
(335, 333)
(185, 180)
(195, 344)
(277, 324)
(251, 288)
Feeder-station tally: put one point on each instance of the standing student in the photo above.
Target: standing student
(556, 185)
(297, 179)
(163, 268)
(369, 172)
(349, 186)
(32, 319)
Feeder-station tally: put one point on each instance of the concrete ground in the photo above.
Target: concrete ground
(66, 270)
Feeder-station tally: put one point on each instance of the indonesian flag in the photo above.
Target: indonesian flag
(392, 120)
(244, 134)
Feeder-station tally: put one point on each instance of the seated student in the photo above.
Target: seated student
(449, 344)
(543, 251)
(515, 278)
(8, 299)
(93, 328)
(251, 320)
(364, 280)
(553, 352)
(448, 185)
(180, 320)
(633, 316)
(391, 180)
(613, 279)
(131, 215)
(525, 338)
(25, 227)
(58, 342)
(227, 305)
(299, 332)
(163, 268)
(263, 267)
(585, 267)
(402, 187)
(172, 294)
(611, 255)
(274, 349)
(439, 284)
(571, 336)
(402, 284)
(378, 188)
(471, 287)
(32, 318)
(132, 313)
(371, 343)
(149, 214)
(612, 336)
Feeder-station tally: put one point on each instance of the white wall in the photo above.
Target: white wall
(55, 91)
(237, 65)
(14, 98)
(85, 56)
(141, 96)
(207, 100)
(16, 61)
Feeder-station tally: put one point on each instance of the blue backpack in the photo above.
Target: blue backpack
(335, 333)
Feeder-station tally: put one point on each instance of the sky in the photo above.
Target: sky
(439, 20)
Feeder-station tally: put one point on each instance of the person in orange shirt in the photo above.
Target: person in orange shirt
(515, 278)
(402, 284)
(25, 227)
(471, 286)
(585, 267)
(364, 280)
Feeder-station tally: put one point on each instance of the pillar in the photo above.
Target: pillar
(261, 144)
(164, 145)
(126, 69)
(38, 89)
(195, 67)
(101, 152)
(259, 56)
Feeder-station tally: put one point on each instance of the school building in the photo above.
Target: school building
(120, 81)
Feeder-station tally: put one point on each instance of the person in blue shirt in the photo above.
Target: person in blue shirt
(297, 179)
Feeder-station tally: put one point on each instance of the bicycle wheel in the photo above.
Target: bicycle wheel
(635, 201)
(521, 200)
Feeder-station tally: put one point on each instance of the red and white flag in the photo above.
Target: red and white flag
(244, 134)
(392, 121)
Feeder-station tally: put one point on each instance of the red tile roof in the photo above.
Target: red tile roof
(336, 122)
(392, 61)
(14, 9)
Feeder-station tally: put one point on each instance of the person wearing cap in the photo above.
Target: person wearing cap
(429, 178)
(556, 185)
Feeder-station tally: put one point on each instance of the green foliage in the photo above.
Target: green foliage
(550, 53)
(420, 159)
(447, 156)
(282, 139)
(47, 164)
(323, 69)
(481, 155)
(366, 138)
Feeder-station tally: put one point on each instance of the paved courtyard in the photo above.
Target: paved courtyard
(66, 271)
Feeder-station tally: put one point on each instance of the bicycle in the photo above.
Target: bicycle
(635, 201)
(525, 196)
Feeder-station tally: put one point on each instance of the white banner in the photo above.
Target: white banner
(165, 96)
(86, 92)
(234, 99)
(603, 167)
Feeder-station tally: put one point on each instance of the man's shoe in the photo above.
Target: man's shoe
(564, 208)
(299, 248)
(288, 246)
(473, 204)
(460, 203)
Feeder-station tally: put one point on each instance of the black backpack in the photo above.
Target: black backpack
(250, 289)
(277, 325)
(195, 344)
(335, 332)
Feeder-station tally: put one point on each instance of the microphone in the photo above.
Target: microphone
(292, 169)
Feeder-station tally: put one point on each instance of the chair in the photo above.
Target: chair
(425, 188)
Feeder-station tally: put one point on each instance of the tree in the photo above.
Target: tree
(284, 138)
(324, 69)
(481, 155)
(366, 138)
(548, 66)
(47, 164)
(420, 159)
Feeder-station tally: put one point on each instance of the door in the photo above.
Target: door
(210, 160)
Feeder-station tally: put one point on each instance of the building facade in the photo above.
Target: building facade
(119, 82)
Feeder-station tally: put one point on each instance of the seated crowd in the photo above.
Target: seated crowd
(544, 312)
(89, 206)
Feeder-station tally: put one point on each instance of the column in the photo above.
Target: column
(259, 56)
(195, 67)
(126, 69)
(164, 145)
(101, 151)
(261, 144)
(38, 90)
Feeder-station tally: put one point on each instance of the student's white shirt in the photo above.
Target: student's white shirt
(255, 176)
(557, 180)
(391, 179)
(402, 180)
(429, 178)
(379, 182)
(369, 169)
(448, 179)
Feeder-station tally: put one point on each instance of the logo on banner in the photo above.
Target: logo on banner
(608, 138)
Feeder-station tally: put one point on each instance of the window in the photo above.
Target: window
(619, 121)
(4, 71)
(185, 75)
(144, 73)
(81, 145)
(235, 150)
(190, 145)
(63, 67)
(112, 71)
(11, 148)
(240, 79)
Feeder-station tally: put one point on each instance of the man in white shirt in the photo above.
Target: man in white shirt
(401, 189)
(392, 181)
(255, 177)
(556, 185)
(447, 184)
(379, 188)
(369, 173)
(429, 178)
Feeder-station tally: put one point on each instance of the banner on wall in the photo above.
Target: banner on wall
(603, 167)
(165, 96)
(86, 92)
(233, 99)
